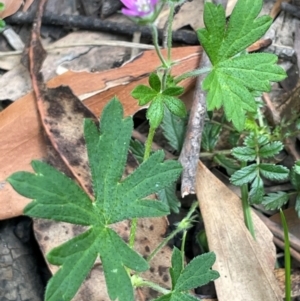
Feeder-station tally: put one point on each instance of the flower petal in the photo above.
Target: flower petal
(130, 12)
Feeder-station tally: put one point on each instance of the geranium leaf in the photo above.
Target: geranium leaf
(175, 105)
(235, 76)
(58, 197)
(154, 82)
(143, 94)
(155, 112)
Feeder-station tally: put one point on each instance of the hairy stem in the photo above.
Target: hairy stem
(156, 45)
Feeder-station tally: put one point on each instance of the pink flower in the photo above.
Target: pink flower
(138, 8)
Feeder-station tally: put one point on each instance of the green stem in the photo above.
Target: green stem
(193, 73)
(163, 243)
(149, 143)
(183, 247)
(287, 257)
(211, 154)
(169, 30)
(246, 206)
(154, 286)
(156, 45)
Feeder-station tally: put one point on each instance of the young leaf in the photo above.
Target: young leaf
(174, 128)
(175, 105)
(154, 82)
(143, 94)
(273, 172)
(169, 197)
(275, 200)
(234, 76)
(197, 273)
(58, 197)
(244, 153)
(271, 149)
(173, 91)
(244, 175)
(155, 112)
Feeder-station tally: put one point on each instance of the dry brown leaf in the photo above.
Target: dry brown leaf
(295, 279)
(10, 7)
(27, 4)
(245, 265)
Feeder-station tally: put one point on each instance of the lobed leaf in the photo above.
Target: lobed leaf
(155, 112)
(58, 197)
(175, 105)
(154, 82)
(257, 191)
(197, 273)
(143, 94)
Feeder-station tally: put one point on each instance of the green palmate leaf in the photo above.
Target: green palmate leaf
(143, 94)
(275, 200)
(174, 128)
(169, 197)
(270, 149)
(58, 197)
(175, 105)
(230, 165)
(197, 273)
(155, 112)
(234, 78)
(154, 82)
(244, 175)
(210, 136)
(273, 172)
(244, 28)
(244, 153)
